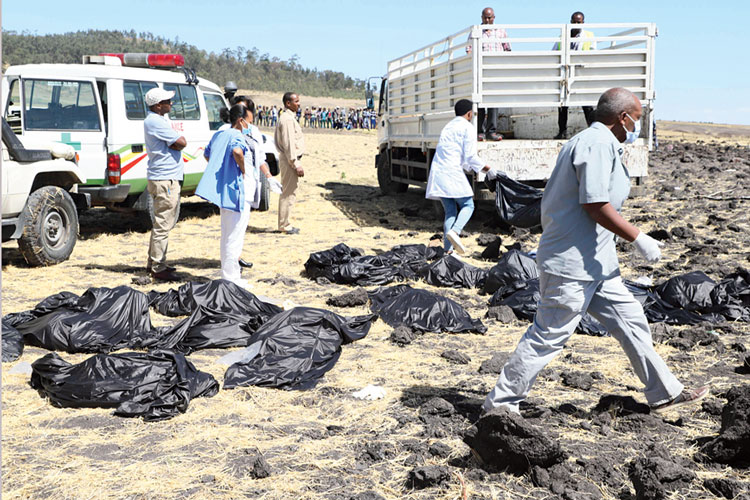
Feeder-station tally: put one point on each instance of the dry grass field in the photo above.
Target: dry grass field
(319, 443)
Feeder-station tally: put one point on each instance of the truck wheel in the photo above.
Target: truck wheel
(51, 228)
(265, 195)
(147, 215)
(387, 185)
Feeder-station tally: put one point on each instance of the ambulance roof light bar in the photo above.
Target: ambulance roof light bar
(141, 60)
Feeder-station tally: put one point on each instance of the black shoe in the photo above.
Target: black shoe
(560, 136)
(171, 269)
(245, 264)
(494, 137)
(165, 275)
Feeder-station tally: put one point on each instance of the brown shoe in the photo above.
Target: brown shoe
(165, 275)
(494, 137)
(685, 397)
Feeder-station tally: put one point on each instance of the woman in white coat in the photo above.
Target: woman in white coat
(456, 151)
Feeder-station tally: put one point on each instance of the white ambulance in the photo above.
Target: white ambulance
(98, 108)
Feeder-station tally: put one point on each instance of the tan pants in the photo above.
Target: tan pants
(289, 188)
(166, 196)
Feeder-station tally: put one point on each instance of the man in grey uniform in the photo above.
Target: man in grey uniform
(578, 267)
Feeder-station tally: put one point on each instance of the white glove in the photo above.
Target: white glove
(370, 393)
(491, 174)
(648, 247)
(274, 185)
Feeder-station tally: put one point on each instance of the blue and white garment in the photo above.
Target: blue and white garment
(222, 183)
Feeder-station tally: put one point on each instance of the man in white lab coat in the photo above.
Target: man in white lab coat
(456, 151)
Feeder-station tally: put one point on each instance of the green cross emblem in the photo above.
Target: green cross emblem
(65, 139)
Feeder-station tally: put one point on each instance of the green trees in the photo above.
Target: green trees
(246, 67)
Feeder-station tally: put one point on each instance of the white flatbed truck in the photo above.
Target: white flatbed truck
(528, 84)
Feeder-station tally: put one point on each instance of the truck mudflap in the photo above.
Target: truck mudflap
(105, 194)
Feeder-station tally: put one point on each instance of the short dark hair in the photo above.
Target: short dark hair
(462, 107)
(577, 13)
(243, 99)
(287, 97)
(236, 112)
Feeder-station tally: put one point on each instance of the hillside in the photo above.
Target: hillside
(246, 67)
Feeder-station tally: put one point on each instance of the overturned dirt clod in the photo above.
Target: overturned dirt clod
(357, 297)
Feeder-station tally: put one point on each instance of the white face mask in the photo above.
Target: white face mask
(632, 136)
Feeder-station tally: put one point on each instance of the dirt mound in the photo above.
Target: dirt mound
(656, 474)
(504, 440)
(732, 445)
(357, 297)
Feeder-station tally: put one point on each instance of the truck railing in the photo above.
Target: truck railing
(532, 74)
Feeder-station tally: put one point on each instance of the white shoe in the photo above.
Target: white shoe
(455, 240)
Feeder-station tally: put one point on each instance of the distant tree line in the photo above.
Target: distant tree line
(246, 67)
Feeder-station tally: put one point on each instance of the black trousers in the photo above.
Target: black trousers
(562, 117)
(490, 127)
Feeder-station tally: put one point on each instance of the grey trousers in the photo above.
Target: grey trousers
(563, 303)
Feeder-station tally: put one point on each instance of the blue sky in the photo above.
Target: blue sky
(702, 69)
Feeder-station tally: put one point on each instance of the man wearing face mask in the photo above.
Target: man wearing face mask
(578, 267)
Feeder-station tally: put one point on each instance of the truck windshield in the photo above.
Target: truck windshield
(60, 105)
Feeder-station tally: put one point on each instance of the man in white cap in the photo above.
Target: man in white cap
(164, 174)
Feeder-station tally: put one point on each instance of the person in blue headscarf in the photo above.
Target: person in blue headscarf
(223, 185)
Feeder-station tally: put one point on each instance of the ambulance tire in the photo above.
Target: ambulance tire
(387, 185)
(50, 229)
(265, 195)
(147, 215)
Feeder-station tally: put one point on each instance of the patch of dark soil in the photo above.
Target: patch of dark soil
(439, 449)
(440, 418)
(486, 239)
(281, 279)
(409, 211)
(577, 380)
(654, 476)
(249, 463)
(492, 251)
(659, 234)
(689, 338)
(375, 451)
(494, 364)
(682, 232)
(428, 476)
(567, 480)
(722, 487)
(744, 368)
(98, 422)
(712, 407)
(456, 357)
(403, 335)
(357, 297)
(732, 445)
(367, 495)
(503, 314)
(504, 440)
(620, 406)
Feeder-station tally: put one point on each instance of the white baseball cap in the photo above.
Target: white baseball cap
(157, 95)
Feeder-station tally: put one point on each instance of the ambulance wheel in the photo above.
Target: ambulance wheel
(387, 185)
(265, 195)
(50, 228)
(147, 214)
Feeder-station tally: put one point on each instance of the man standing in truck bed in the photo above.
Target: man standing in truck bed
(164, 173)
(493, 41)
(291, 145)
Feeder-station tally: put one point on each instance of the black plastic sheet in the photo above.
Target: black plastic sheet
(155, 386)
(295, 348)
(218, 295)
(100, 320)
(346, 266)
(731, 296)
(516, 203)
(12, 342)
(422, 310)
(691, 292)
(448, 271)
(511, 272)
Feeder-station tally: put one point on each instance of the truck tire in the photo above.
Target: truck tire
(147, 215)
(50, 230)
(387, 185)
(265, 195)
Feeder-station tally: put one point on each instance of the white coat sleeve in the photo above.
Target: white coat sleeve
(471, 160)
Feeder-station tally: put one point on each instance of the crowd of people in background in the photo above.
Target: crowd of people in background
(338, 118)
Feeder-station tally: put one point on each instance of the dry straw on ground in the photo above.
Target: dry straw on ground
(313, 440)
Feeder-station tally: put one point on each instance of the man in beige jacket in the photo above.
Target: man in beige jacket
(291, 145)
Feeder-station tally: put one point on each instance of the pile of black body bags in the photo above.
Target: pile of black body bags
(286, 349)
(513, 281)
